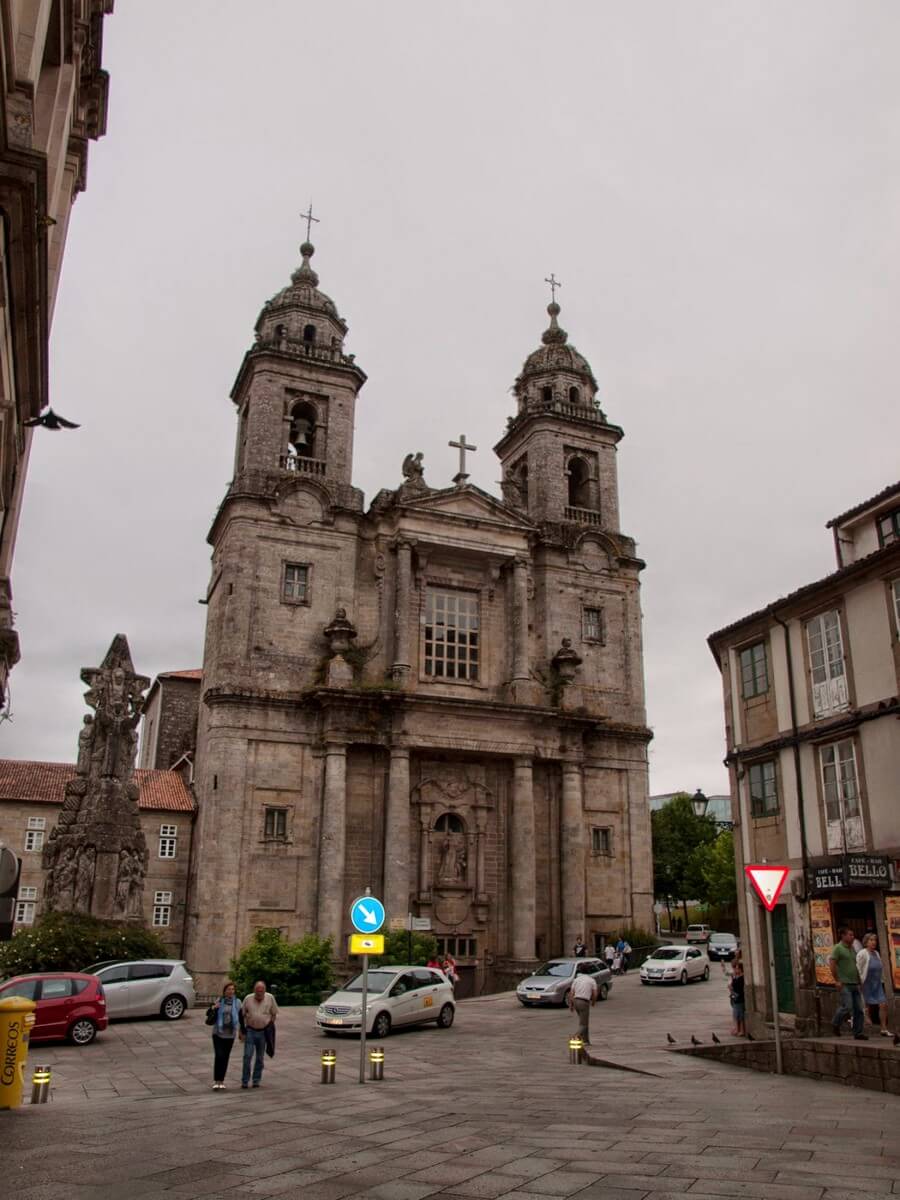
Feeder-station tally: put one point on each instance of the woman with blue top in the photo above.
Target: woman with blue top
(871, 976)
(226, 1023)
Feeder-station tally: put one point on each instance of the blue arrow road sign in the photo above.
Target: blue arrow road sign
(367, 914)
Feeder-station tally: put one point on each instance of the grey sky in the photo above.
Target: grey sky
(716, 184)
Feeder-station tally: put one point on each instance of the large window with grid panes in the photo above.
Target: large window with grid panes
(34, 834)
(452, 636)
(828, 673)
(840, 788)
(763, 789)
(754, 670)
(162, 909)
(168, 841)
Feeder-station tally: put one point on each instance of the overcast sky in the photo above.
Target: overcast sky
(717, 185)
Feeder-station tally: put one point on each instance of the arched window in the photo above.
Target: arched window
(522, 480)
(280, 333)
(574, 395)
(547, 395)
(449, 823)
(309, 334)
(579, 483)
(302, 435)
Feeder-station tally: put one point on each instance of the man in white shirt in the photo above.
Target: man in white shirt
(582, 994)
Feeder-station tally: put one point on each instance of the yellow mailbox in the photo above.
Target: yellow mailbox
(16, 1020)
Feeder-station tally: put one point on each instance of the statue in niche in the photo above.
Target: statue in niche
(84, 883)
(452, 859)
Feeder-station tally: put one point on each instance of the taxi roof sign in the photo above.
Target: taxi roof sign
(367, 943)
(767, 882)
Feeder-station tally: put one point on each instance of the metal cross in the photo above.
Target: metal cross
(462, 446)
(554, 284)
(309, 219)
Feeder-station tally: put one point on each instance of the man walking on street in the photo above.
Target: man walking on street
(846, 975)
(258, 1011)
(582, 995)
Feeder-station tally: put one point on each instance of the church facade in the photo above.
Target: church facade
(439, 696)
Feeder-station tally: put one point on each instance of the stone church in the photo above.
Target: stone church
(439, 696)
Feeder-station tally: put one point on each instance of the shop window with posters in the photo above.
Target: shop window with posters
(892, 920)
(822, 939)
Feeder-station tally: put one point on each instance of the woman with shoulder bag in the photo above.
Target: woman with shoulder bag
(224, 1017)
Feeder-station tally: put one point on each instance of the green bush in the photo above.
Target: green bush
(635, 936)
(73, 941)
(295, 972)
(398, 952)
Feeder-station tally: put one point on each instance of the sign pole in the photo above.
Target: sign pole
(773, 983)
(365, 1018)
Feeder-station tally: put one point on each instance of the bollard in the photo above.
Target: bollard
(376, 1064)
(576, 1050)
(329, 1059)
(40, 1085)
(16, 1020)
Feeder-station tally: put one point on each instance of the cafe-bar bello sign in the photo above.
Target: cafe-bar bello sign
(851, 871)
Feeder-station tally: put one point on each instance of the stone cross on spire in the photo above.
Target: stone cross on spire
(554, 284)
(309, 219)
(462, 446)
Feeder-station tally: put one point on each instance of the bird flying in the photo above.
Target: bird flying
(51, 420)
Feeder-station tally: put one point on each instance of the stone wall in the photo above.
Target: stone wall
(875, 1067)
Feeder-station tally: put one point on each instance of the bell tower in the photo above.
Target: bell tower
(558, 454)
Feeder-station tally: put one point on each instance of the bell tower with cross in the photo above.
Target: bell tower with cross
(559, 452)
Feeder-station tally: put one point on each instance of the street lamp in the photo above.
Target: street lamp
(699, 804)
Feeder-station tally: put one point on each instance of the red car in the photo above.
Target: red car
(69, 1004)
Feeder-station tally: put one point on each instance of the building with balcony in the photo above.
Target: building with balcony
(812, 720)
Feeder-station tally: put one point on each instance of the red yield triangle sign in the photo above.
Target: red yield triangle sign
(768, 882)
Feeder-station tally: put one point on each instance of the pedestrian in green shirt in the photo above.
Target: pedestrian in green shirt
(842, 962)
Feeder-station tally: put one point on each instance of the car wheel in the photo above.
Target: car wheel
(82, 1032)
(602, 991)
(445, 1017)
(684, 976)
(381, 1026)
(565, 999)
(172, 1008)
(706, 974)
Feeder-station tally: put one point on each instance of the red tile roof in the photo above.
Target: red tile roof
(46, 781)
(194, 673)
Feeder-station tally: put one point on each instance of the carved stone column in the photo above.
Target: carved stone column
(571, 853)
(396, 835)
(332, 846)
(523, 868)
(520, 620)
(480, 831)
(402, 665)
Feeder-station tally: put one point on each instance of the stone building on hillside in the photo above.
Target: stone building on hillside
(812, 722)
(53, 103)
(440, 696)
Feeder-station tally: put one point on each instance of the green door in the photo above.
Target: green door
(784, 976)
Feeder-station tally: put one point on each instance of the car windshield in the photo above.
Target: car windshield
(379, 981)
(668, 952)
(555, 968)
(722, 937)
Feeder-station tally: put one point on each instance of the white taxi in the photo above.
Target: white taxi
(396, 996)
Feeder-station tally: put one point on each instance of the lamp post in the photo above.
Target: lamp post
(699, 803)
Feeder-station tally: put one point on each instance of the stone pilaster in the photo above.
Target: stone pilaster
(522, 689)
(571, 855)
(401, 667)
(396, 835)
(523, 867)
(332, 846)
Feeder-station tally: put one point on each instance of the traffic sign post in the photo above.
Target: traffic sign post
(367, 917)
(767, 882)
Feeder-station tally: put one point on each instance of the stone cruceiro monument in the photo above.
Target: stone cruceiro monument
(96, 856)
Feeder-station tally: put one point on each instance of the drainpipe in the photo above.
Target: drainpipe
(797, 773)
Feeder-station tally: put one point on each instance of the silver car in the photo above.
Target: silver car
(395, 996)
(154, 987)
(551, 982)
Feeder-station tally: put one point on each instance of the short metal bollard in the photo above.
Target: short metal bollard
(40, 1085)
(329, 1059)
(576, 1051)
(376, 1064)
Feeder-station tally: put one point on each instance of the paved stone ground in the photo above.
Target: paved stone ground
(489, 1108)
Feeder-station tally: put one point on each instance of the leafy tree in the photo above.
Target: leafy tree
(677, 836)
(295, 972)
(716, 868)
(73, 941)
(399, 952)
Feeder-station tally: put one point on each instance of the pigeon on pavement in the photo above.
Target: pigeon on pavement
(695, 1042)
(670, 1039)
(716, 1040)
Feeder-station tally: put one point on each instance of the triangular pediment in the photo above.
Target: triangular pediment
(468, 503)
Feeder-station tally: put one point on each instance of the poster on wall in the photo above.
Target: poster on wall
(892, 919)
(822, 939)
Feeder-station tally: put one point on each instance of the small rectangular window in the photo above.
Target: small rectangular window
(754, 670)
(592, 624)
(28, 893)
(601, 841)
(276, 824)
(34, 840)
(25, 913)
(295, 584)
(889, 528)
(162, 916)
(37, 822)
(162, 897)
(168, 841)
(763, 789)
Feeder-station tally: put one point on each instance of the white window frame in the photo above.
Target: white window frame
(162, 916)
(27, 893)
(841, 797)
(443, 605)
(34, 840)
(296, 590)
(896, 590)
(37, 823)
(168, 841)
(25, 911)
(162, 897)
(827, 669)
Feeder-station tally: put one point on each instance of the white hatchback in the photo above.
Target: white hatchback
(396, 996)
(675, 964)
